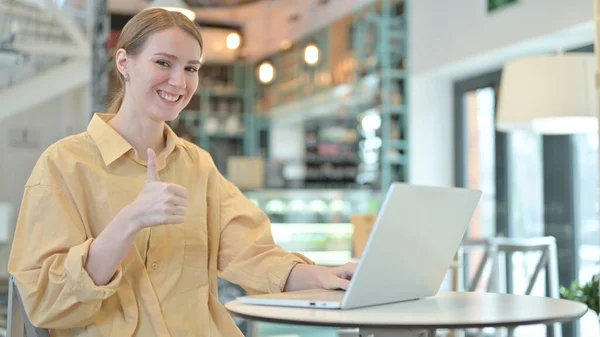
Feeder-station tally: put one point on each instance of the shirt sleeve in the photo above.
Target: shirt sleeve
(248, 255)
(48, 255)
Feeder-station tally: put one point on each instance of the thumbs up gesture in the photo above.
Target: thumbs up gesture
(159, 203)
(152, 169)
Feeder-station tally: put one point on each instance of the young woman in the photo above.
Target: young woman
(124, 228)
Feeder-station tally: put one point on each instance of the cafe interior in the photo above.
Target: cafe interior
(312, 108)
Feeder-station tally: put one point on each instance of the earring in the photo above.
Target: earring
(126, 77)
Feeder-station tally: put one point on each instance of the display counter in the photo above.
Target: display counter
(316, 222)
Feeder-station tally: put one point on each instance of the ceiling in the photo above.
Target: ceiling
(218, 3)
(266, 22)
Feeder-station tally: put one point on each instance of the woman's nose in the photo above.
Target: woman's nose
(177, 79)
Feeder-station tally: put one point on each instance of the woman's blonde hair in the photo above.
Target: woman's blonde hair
(135, 34)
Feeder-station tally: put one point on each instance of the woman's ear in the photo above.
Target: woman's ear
(121, 62)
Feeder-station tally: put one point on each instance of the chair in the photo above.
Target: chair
(497, 248)
(18, 323)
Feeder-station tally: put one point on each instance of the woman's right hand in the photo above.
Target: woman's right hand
(158, 203)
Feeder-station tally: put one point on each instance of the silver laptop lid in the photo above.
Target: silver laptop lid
(412, 244)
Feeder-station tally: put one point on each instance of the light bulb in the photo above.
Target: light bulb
(266, 72)
(233, 40)
(311, 54)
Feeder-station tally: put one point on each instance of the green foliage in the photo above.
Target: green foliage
(587, 294)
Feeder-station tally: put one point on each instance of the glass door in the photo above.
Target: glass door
(507, 168)
(477, 164)
(480, 158)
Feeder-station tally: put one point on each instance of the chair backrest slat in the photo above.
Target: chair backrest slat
(18, 323)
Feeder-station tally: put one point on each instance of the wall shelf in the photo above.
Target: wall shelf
(221, 92)
(366, 70)
(220, 116)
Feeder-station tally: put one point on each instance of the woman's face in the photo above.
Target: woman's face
(164, 76)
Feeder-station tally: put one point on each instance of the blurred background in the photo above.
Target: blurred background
(313, 107)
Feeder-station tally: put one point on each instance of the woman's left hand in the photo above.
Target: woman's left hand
(338, 277)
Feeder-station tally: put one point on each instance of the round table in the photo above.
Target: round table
(446, 310)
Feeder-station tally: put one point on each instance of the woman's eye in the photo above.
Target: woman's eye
(191, 69)
(162, 63)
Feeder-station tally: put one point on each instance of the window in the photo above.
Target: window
(586, 204)
(533, 185)
(526, 185)
(480, 159)
(508, 170)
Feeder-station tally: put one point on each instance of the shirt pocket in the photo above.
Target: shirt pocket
(195, 249)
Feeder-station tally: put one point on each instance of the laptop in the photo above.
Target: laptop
(411, 246)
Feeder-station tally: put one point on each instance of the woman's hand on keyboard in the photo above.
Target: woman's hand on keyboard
(339, 277)
(305, 276)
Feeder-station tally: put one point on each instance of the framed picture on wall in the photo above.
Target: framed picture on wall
(497, 4)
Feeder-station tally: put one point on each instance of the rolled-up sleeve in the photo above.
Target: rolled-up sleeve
(48, 255)
(248, 255)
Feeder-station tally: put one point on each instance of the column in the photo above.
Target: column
(559, 211)
(99, 33)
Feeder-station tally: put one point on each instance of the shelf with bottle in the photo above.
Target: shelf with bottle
(386, 24)
(392, 152)
(217, 117)
(285, 91)
(331, 152)
(348, 151)
(295, 78)
(367, 69)
(217, 79)
(379, 31)
(222, 118)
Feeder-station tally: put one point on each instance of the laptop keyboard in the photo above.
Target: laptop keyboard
(329, 297)
(318, 296)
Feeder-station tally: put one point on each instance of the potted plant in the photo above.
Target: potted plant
(587, 294)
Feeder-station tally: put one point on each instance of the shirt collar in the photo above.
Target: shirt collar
(112, 145)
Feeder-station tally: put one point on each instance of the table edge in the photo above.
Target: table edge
(548, 321)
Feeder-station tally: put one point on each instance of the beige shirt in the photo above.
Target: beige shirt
(167, 284)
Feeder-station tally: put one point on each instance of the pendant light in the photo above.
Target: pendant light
(266, 72)
(312, 54)
(234, 40)
(549, 94)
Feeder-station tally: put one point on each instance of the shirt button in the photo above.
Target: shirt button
(154, 266)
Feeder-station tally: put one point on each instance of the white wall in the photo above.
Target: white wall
(431, 132)
(456, 39)
(445, 32)
(48, 122)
